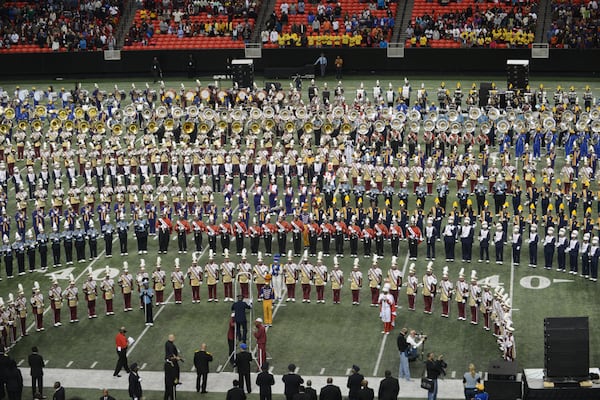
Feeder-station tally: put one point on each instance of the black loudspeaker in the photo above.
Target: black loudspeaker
(242, 72)
(484, 89)
(502, 370)
(269, 84)
(566, 347)
(504, 390)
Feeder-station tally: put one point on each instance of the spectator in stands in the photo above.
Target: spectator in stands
(301, 7)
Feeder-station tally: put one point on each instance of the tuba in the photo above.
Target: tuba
(327, 128)
(568, 116)
(100, 128)
(346, 129)
(493, 113)
(285, 115)
(129, 111)
(193, 111)
(503, 126)
(209, 114)
(442, 125)
(237, 127)
(596, 126)
(486, 127)
(520, 126)
(338, 112)
(549, 123)
(55, 124)
(289, 127)
(379, 126)
(84, 127)
(414, 115)
(414, 126)
(594, 114)
(268, 112)
(205, 94)
(455, 127)
(177, 112)
(147, 113)
(169, 124)
(474, 113)
(362, 129)
(301, 113)
(152, 127)
(511, 115)
(9, 113)
(69, 126)
(255, 113)
(162, 112)
(469, 126)
(36, 125)
(40, 111)
(132, 129)
(397, 124)
(452, 115)
(254, 128)
(269, 124)
(92, 112)
(308, 128)
(117, 129)
(79, 113)
(353, 115)
(429, 125)
(188, 127)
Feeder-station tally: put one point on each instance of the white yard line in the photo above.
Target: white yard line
(94, 364)
(148, 327)
(69, 364)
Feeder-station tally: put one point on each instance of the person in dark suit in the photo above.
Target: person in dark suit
(243, 359)
(14, 382)
(105, 395)
(330, 391)
(170, 378)
(365, 392)
(36, 365)
(388, 387)
(301, 395)
(310, 392)
(202, 358)
(292, 382)
(59, 391)
(264, 381)
(236, 392)
(135, 387)
(354, 383)
(171, 353)
(241, 323)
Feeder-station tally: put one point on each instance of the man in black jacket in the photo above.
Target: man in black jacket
(330, 391)
(365, 392)
(36, 365)
(243, 359)
(388, 387)
(292, 382)
(309, 391)
(202, 358)
(435, 368)
(170, 378)
(354, 383)
(59, 392)
(236, 393)
(265, 381)
(135, 387)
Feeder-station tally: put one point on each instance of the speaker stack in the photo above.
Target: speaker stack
(517, 72)
(242, 72)
(503, 380)
(566, 349)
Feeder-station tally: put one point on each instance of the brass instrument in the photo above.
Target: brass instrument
(371, 113)
(261, 95)
(338, 112)
(177, 113)
(152, 127)
(269, 124)
(432, 115)
(414, 115)
(414, 126)
(255, 113)
(469, 126)
(596, 126)
(99, 127)
(511, 115)
(455, 127)
(452, 115)
(117, 114)
(362, 129)
(129, 111)
(4, 129)
(353, 115)
(397, 124)
(289, 127)
(117, 129)
(84, 126)
(301, 113)
(161, 112)
(493, 113)
(442, 125)
(581, 125)
(205, 127)
(429, 125)
(22, 125)
(308, 128)
(549, 123)
(474, 113)
(285, 115)
(188, 127)
(92, 112)
(254, 128)
(193, 111)
(268, 112)
(503, 126)
(169, 124)
(237, 127)
(55, 124)
(40, 111)
(69, 126)
(79, 113)
(594, 114)
(62, 114)
(520, 126)
(132, 129)
(346, 129)
(9, 113)
(379, 126)
(205, 94)
(327, 128)
(209, 114)
(568, 116)
(222, 126)
(486, 127)
(36, 125)
(236, 115)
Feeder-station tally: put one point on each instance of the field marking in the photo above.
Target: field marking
(143, 365)
(94, 364)
(69, 364)
(271, 369)
(219, 368)
(348, 371)
(148, 327)
(453, 374)
(20, 362)
(193, 369)
(297, 370)
(512, 282)
(322, 371)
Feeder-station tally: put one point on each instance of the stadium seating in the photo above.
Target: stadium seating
(464, 24)
(363, 17)
(41, 27)
(575, 24)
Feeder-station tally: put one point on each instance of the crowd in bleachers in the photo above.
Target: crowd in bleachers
(575, 25)
(193, 19)
(59, 26)
(473, 26)
(329, 24)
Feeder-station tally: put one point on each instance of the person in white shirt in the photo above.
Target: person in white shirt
(414, 342)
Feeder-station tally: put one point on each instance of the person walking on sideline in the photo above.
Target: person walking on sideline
(121, 343)
(265, 381)
(36, 364)
(202, 358)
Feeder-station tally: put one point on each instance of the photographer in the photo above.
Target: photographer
(415, 341)
(435, 368)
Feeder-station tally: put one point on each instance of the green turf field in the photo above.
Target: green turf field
(319, 338)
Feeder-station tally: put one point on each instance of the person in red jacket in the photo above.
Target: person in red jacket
(260, 334)
(121, 344)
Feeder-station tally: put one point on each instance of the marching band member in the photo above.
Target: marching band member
(474, 298)
(165, 227)
(55, 296)
(277, 277)
(195, 275)
(573, 251)
(159, 282)
(320, 278)
(337, 280)
(244, 275)
(430, 237)
(486, 306)
(356, 281)
(37, 306)
(414, 238)
(259, 272)
(394, 278)
(375, 276)
(266, 295)
(499, 243)
(183, 228)
(446, 291)
(412, 284)
(240, 231)
(91, 292)
(125, 281)
(305, 276)
(462, 295)
(466, 239)
(516, 246)
(484, 243)
(228, 273)
(387, 309)
(21, 308)
(177, 280)
(549, 245)
(71, 295)
(212, 273)
(108, 291)
(533, 245)
(429, 288)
